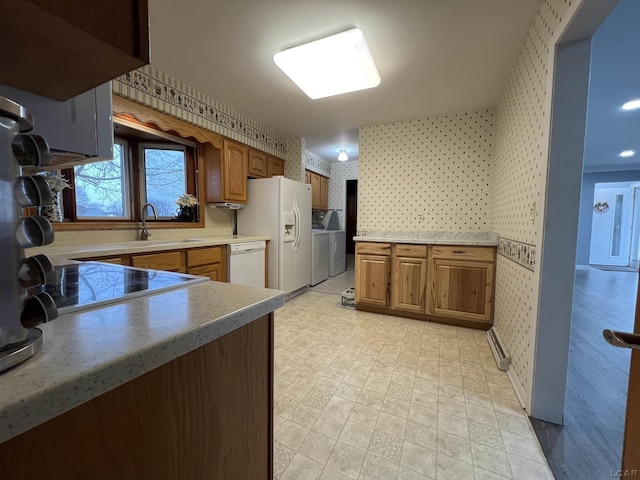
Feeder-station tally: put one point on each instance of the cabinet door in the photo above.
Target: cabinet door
(315, 191)
(461, 289)
(372, 279)
(409, 284)
(72, 46)
(307, 176)
(324, 193)
(258, 163)
(234, 172)
(276, 166)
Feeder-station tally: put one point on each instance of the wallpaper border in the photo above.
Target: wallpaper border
(521, 253)
(162, 92)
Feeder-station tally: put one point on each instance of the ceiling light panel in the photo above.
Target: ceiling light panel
(631, 104)
(627, 153)
(330, 66)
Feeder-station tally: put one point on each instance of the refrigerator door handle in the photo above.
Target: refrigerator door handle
(296, 238)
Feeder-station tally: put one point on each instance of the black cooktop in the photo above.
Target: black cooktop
(90, 284)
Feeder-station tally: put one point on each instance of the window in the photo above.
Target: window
(147, 168)
(102, 188)
(163, 176)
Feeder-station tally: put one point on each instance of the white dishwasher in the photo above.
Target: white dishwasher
(245, 263)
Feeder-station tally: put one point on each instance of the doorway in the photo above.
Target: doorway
(612, 219)
(351, 217)
(580, 381)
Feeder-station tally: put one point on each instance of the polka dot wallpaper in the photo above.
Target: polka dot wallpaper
(517, 180)
(294, 160)
(426, 175)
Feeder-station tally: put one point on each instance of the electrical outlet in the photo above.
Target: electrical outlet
(532, 212)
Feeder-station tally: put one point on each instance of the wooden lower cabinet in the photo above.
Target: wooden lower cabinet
(172, 261)
(450, 284)
(204, 261)
(208, 262)
(372, 280)
(207, 415)
(462, 290)
(408, 285)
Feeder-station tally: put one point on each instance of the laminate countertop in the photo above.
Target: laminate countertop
(430, 238)
(90, 352)
(136, 246)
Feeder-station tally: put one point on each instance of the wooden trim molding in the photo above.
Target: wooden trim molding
(133, 111)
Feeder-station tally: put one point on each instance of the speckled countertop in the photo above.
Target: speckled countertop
(431, 238)
(91, 352)
(137, 246)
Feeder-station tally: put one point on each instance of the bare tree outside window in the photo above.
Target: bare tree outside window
(101, 188)
(165, 178)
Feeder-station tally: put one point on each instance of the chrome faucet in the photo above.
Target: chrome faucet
(145, 234)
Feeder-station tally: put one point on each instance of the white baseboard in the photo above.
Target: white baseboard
(582, 267)
(520, 392)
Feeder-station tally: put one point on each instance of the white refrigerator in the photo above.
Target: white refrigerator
(281, 208)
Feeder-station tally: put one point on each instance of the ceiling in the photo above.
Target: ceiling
(614, 80)
(433, 56)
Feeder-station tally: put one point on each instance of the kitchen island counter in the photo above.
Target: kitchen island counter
(94, 351)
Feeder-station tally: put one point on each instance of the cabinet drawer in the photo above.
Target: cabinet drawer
(159, 261)
(204, 256)
(214, 272)
(372, 248)
(486, 254)
(415, 251)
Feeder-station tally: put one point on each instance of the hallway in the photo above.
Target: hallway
(589, 445)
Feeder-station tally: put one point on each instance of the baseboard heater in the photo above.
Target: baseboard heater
(503, 359)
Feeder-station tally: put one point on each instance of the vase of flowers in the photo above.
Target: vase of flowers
(187, 207)
(56, 184)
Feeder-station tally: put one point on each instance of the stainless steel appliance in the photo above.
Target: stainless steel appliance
(246, 263)
(23, 303)
(281, 208)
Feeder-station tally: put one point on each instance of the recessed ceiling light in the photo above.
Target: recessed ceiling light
(333, 65)
(627, 153)
(631, 104)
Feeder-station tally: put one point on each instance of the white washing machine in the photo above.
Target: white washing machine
(338, 252)
(319, 256)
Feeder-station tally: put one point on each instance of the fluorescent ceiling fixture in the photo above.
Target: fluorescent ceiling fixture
(627, 153)
(343, 155)
(330, 66)
(632, 104)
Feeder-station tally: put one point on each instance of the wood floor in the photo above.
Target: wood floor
(589, 445)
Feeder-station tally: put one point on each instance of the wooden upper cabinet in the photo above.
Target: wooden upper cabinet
(276, 166)
(226, 172)
(65, 48)
(324, 193)
(319, 190)
(258, 164)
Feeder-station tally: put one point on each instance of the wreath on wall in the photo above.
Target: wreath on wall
(601, 207)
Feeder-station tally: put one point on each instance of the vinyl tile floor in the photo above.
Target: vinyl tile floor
(375, 397)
